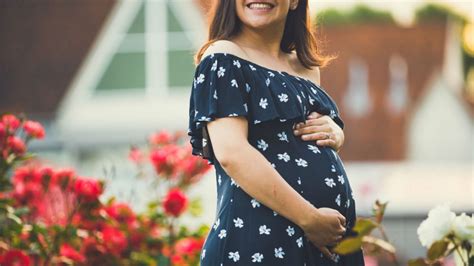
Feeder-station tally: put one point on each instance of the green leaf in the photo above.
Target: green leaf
(364, 226)
(348, 245)
(437, 249)
(195, 207)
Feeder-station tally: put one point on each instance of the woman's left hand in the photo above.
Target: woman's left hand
(322, 129)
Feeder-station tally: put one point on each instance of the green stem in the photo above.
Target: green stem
(456, 247)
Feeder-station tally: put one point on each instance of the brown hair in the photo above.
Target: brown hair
(297, 35)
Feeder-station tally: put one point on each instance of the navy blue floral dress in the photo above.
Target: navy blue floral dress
(245, 231)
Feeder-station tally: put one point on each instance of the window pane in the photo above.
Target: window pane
(138, 25)
(180, 68)
(126, 71)
(173, 23)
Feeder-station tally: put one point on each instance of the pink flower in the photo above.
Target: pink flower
(114, 240)
(16, 145)
(11, 123)
(175, 202)
(135, 155)
(88, 189)
(34, 129)
(160, 138)
(63, 177)
(69, 252)
(15, 257)
(3, 132)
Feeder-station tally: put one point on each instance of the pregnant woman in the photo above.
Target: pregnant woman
(282, 199)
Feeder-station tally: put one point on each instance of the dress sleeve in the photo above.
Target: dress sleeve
(218, 90)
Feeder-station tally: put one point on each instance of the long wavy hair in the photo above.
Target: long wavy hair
(298, 34)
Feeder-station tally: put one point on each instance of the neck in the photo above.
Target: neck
(265, 41)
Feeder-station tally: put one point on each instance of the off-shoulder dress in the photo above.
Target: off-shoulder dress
(245, 231)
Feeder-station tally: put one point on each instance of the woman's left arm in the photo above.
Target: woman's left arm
(318, 128)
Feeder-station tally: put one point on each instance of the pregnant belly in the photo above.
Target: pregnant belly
(315, 171)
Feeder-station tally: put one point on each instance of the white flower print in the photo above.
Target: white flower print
(332, 114)
(279, 253)
(257, 257)
(261, 144)
(234, 256)
(333, 169)
(223, 233)
(203, 254)
(204, 142)
(252, 67)
(282, 120)
(338, 199)
(204, 118)
(216, 224)
(329, 182)
(215, 94)
(283, 84)
(232, 182)
(348, 203)
(340, 178)
(246, 108)
(264, 230)
(233, 114)
(313, 148)
(256, 122)
(236, 63)
(271, 74)
(290, 230)
(238, 222)
(299, 241)
(247, 87)
(282, 136)
(314, 90)
(284, 156)
(299, 180)
(267, 81)
(283, 97)
(299, 98)
(195, 113)
(275, 213)
(233, 83)
(214, 66)
(311, 100)
(263, 103)
(255, 203)
(200, 78)
(273, 165)
(301, 162)
(221, 72)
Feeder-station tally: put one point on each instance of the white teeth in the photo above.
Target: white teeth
(260, 6)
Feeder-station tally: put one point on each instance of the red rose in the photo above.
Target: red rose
(15, 257)
(11, 123)
(88, 189)
(160, 138)
(175, 202)
(114, 240)
(188, 246)
(121, 212)
(16, 145)
(34, 129)
(69, 252)
(164, 160)
(63, 177)
(3, 131)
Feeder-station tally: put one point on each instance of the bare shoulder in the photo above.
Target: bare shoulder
(223, 46)
(312, 74)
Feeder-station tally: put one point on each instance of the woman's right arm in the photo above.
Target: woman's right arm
(257, 177)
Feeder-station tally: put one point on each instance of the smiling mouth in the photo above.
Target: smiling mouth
(260, 6)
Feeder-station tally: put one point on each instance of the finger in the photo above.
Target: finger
(325, 142)
(310, 122)
(314, 129)
(342, 219)
(326, 252)
(314, 115)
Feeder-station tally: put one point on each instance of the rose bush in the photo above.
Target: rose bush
(52, 216)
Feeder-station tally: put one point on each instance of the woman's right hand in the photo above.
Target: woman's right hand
(326, 228)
